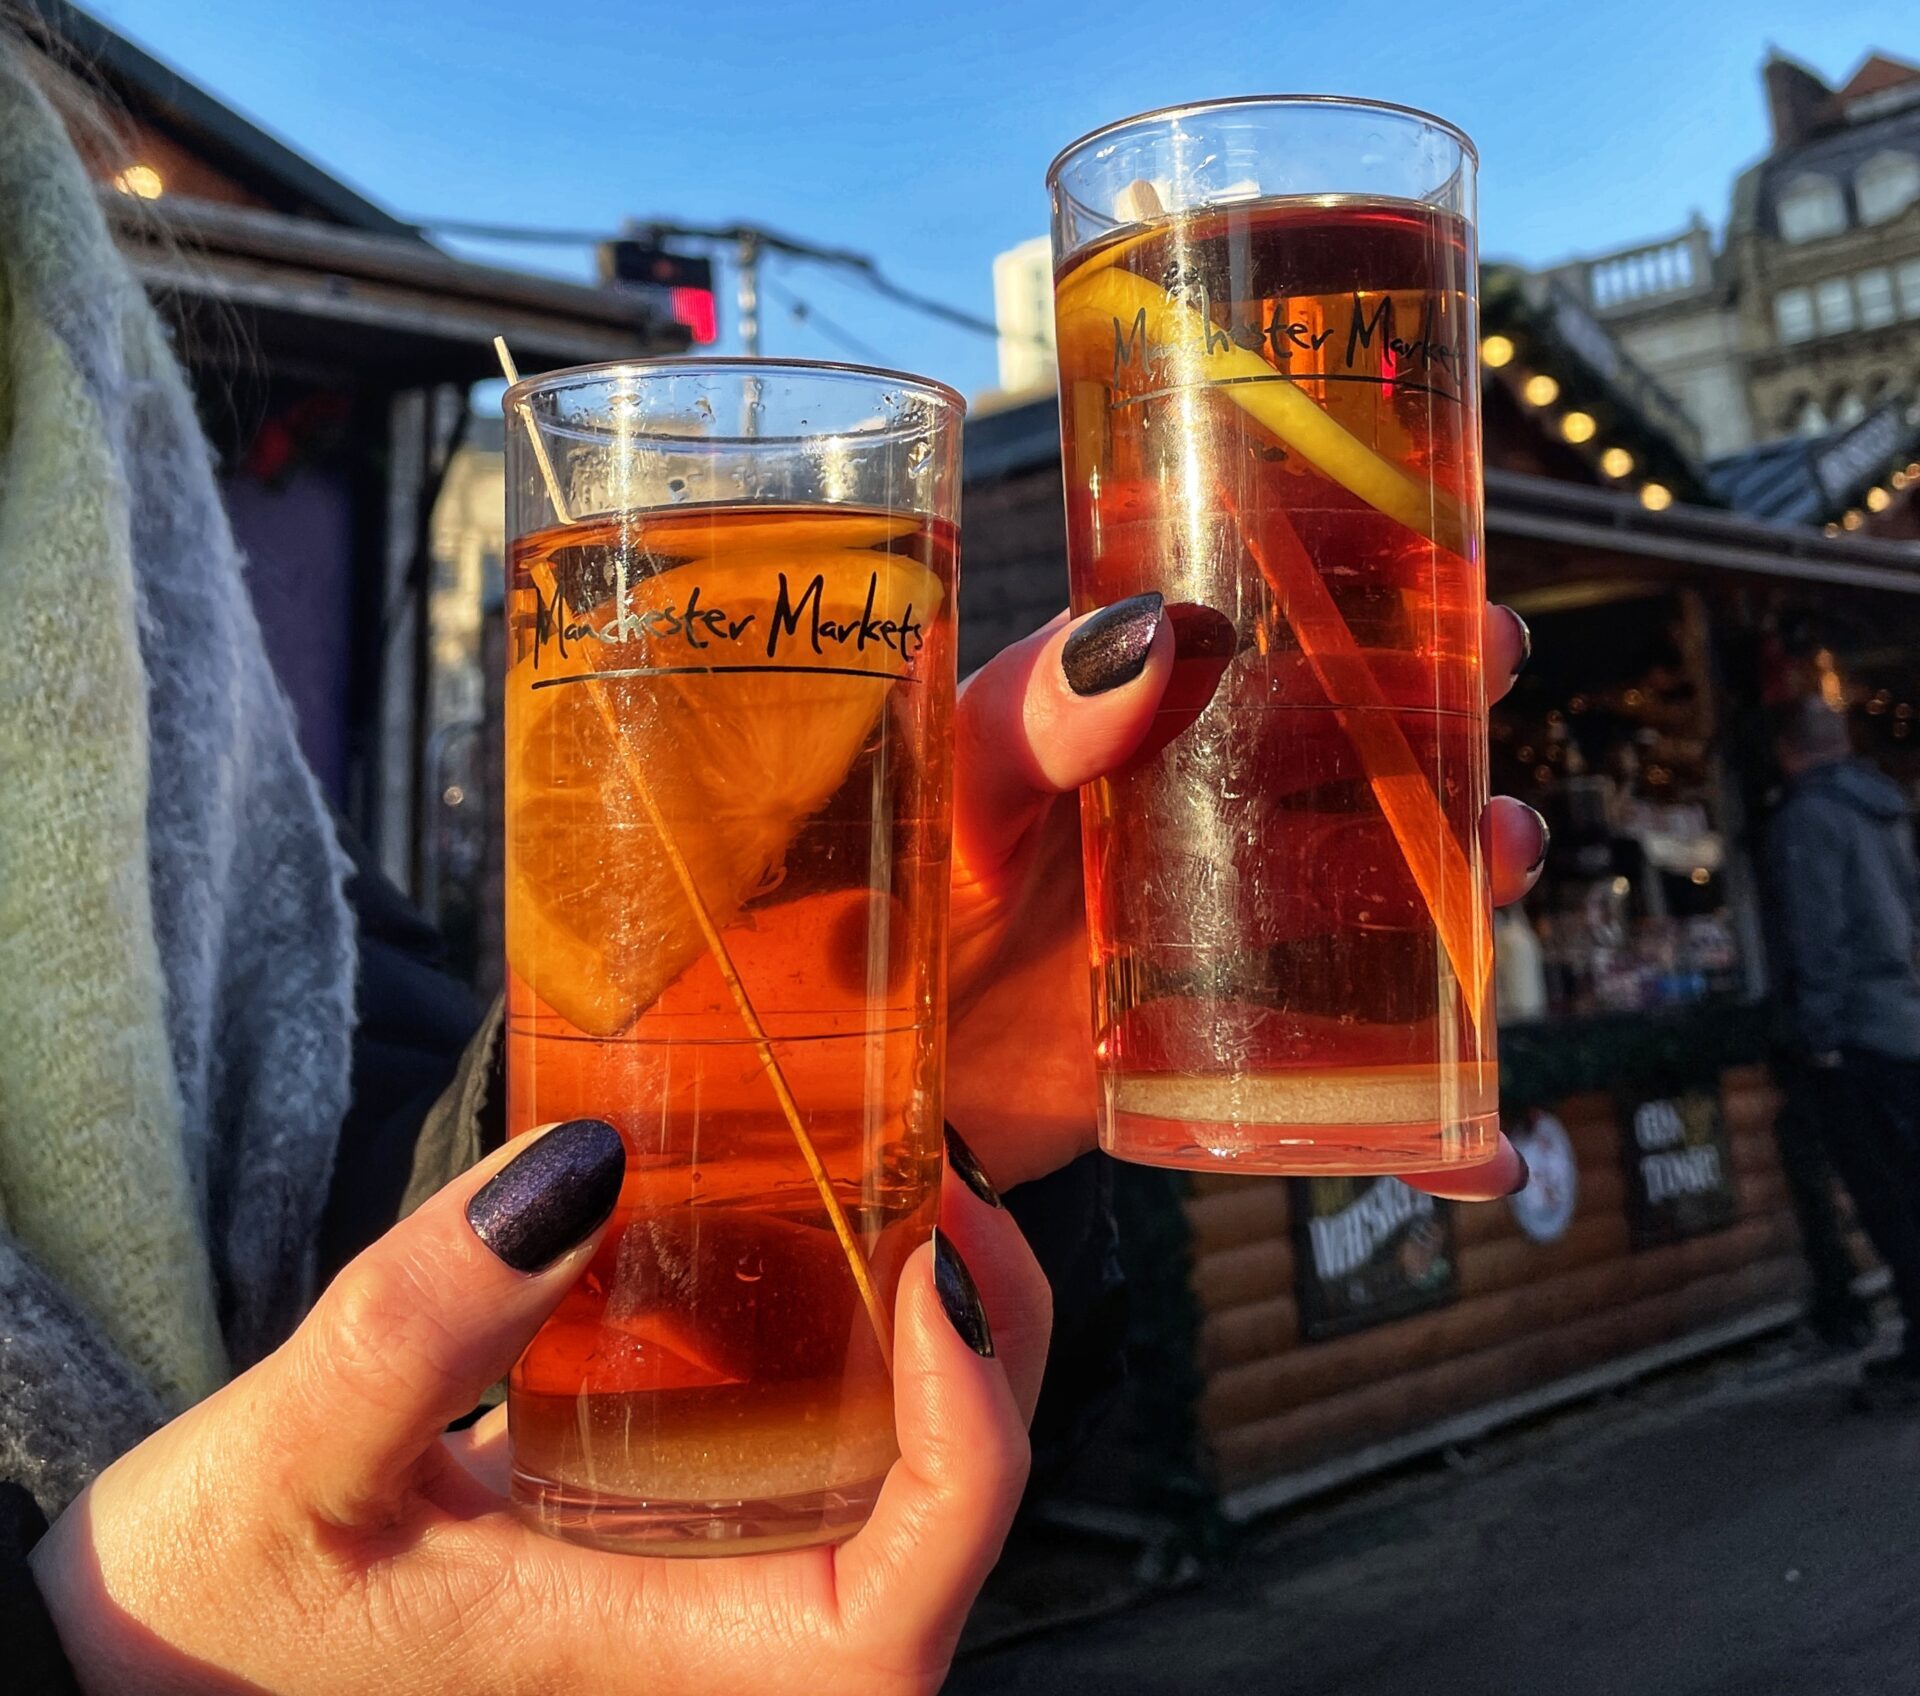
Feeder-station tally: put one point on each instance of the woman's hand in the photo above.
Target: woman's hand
(1020, 1079)
(309, 1529)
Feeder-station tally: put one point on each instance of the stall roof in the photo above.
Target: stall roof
(1612, 521)
(1808, 479)
(231, 143)
(327, 301)
(1546, 509)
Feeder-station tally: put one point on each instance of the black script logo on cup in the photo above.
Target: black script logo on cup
(1371, 345)
(797, 621)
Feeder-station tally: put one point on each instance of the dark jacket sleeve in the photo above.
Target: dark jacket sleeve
(1807, 853)
(414, 1020)
(1068, 1220)
(35, 1663)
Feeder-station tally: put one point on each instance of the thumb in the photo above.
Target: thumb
(413, 1332)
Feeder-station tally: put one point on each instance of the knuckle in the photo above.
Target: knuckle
(380, 1336)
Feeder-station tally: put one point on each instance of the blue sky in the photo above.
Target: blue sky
(920, 132)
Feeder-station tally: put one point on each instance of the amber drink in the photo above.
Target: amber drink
(1270, 415)
(727, 721)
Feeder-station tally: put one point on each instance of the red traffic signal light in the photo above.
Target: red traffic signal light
(680, 283)
(696, 309)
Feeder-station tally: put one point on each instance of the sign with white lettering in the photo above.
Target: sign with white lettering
(1367, 1250)
(1679, 1169)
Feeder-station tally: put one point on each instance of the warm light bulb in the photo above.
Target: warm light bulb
(1900, 479)
(1495, 352)
(1616, 462)
(1541, 390)
(1878, 500)
(1830, 530)
(1578, 426)
(1655, 497)
(1852, 519)
(143, 182)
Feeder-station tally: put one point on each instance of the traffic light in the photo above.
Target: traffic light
(680, 283)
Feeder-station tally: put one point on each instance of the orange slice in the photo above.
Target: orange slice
(737, 758)
(1101, 307)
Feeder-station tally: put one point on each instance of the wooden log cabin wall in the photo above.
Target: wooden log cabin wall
(1285, 1333)
(1523, 1314)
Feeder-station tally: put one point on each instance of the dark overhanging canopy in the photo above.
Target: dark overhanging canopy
(329, 303)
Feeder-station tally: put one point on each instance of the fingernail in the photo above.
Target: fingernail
(967, 1167)
(1111, 647)
(1526, 1174)
(1526, 640)
(554, 1196)
(960, 1296)
(1546, 839)
(1200, 633)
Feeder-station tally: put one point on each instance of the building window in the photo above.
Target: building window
(1809, 208)
(1833, 305)
(1908, 278)
(1886, 186)
(1793, 315)
(1809, 420)
(1874, 290)
(1848, 408)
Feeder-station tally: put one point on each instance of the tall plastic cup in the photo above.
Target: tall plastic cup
(1270, 416)
(728, 722)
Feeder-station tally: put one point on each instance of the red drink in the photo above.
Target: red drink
(728, 714)
(1270, 410)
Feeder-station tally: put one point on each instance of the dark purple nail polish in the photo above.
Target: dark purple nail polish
(554, 1196)
(960, 1296)
(967, 1168)
(1526, 1174)
(1200, 633)
(1546, 840)
(1111, 647)
(1526, 641)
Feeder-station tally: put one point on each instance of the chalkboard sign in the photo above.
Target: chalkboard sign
(1679, 1170)
(1368, 1250)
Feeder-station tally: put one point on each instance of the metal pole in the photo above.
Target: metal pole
(748, 255)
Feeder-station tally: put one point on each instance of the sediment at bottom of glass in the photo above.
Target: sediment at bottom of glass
(730, 1527)
(1353, 1121)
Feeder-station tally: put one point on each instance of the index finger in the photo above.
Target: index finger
(1024, 731)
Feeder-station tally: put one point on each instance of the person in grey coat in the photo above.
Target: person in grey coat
(1846, 892)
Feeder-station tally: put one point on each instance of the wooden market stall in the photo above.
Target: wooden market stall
(1291, 1334)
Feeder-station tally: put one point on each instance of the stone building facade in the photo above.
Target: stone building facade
(1807, 317)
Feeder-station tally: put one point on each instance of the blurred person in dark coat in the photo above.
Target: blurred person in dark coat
(1846, 901)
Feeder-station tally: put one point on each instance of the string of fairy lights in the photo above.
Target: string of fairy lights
(1877, 499)
(1541, 390)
